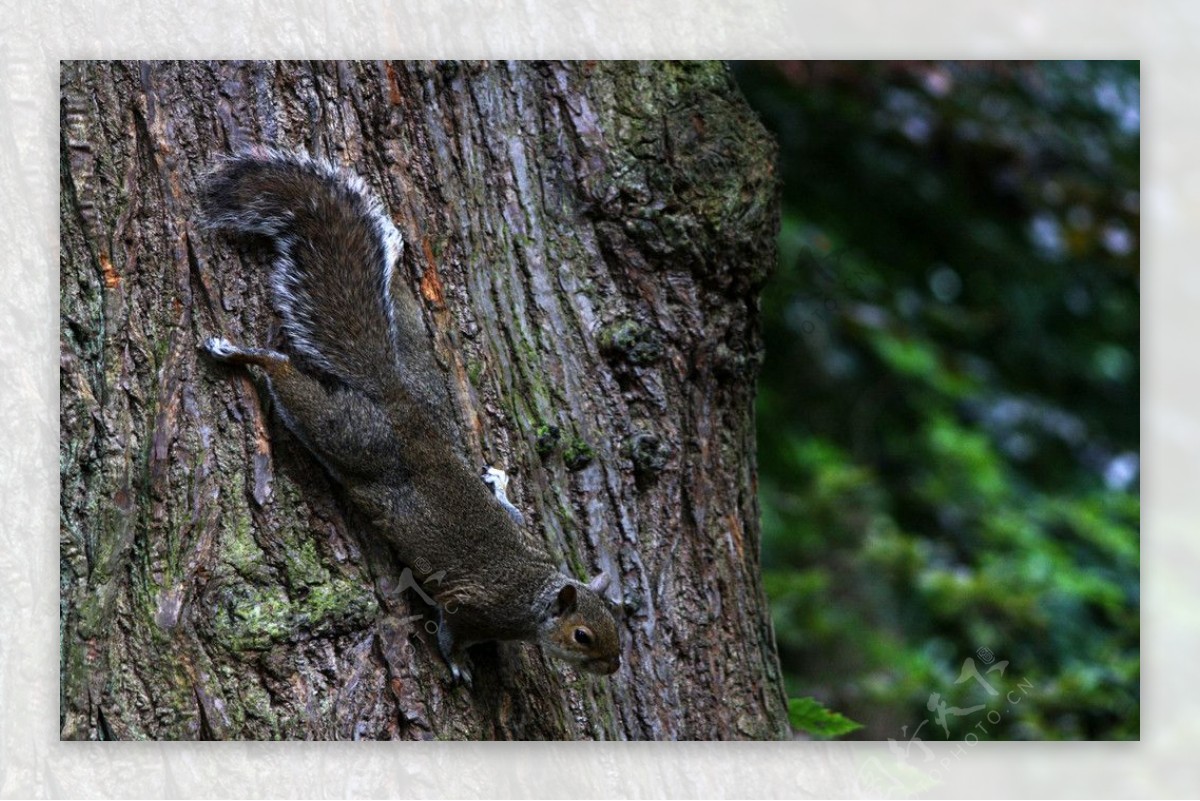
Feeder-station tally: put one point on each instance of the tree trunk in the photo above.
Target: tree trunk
(586, 242)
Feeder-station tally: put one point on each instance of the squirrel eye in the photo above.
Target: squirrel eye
(583, 637)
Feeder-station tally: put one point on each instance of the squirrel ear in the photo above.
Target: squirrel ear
(599, 582)
(565, 601)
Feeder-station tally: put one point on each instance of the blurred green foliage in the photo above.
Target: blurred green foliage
(807, 714)
(948, 409)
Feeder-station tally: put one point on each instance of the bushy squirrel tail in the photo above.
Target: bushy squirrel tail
(336, 251)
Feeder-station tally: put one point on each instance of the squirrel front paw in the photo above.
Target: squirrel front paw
(455, 656)
(460, 674)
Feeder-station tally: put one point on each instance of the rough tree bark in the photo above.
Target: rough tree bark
(586, 241)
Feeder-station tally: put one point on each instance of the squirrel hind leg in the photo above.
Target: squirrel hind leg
(224, 351)
(498, 480)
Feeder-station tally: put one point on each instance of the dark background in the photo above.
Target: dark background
(948, 413)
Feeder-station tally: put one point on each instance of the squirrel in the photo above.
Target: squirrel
(358, 387)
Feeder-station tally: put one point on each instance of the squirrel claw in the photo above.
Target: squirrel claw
(452, 653)
(461, 675)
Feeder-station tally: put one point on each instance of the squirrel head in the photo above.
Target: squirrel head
(580, 628)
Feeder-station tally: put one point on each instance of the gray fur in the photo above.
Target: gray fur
(382, 426)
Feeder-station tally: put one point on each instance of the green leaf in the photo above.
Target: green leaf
(808, 715)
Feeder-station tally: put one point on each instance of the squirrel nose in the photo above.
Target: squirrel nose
(603, 667)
